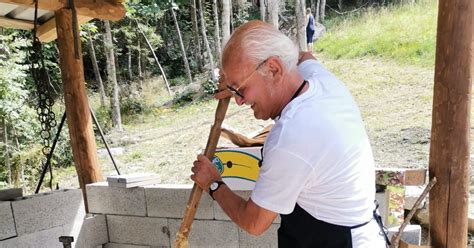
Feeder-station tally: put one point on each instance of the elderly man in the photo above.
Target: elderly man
(318, 169)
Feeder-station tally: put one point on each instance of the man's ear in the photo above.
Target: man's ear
(275, 68)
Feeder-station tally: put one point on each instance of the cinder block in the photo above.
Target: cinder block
(138, 230)
(103, 199)
(170, 200)
(88, 232)
(382, 199)
(209, 233)
(411, 234)
(412, 193)
(7, 224)
(45, 211)
(219, 214)
(268, 239)
(115, 245)
(44, 239)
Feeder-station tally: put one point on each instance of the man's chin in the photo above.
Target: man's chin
(260, 116)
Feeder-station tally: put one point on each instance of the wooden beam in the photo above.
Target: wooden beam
(101, 9)
(47, 31)
(77, 107)
(14, 23)
(450, 131)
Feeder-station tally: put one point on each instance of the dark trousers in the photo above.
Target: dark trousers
(300, 229)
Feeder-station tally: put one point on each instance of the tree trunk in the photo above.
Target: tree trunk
(98, 78)
(183, 51)
(7, 152)
(206, 42)
(318, 10)
(231, 10)
(300, 24)
(262, 10)
(129, 55)
(19, 176)
(339, 4)
(112, 77)
(196, 34)
(139, 58)
(156, 60)
(273, 9)
(225, 21)
(216, 31)
(322, 8)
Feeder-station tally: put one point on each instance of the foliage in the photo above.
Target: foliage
(177, 81)
(104, 117)
(210, 87)
(132, 106)
(405, 33)
(183, 98)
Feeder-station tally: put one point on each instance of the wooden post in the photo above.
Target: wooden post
(450, 131)
(77, 107)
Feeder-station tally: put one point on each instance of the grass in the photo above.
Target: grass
(406, 34)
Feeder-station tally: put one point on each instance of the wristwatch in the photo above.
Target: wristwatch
(214, 187)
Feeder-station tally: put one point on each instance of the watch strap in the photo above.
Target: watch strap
(211, 191)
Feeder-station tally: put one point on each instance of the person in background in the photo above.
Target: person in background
(309, 29)
(317, 170)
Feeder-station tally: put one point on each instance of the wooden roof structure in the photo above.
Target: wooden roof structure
(450, 144)
(19, 14)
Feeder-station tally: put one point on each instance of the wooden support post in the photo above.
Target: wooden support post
(450, 131)
(77, 107)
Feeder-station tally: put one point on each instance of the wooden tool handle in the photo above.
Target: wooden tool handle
(193, 202)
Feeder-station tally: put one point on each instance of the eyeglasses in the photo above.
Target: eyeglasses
(235, 91)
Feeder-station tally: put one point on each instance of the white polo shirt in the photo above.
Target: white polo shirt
(318, 155)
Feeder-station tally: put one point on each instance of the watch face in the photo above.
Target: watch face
(214, 186)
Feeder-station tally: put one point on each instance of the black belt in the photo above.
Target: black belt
(379, 221)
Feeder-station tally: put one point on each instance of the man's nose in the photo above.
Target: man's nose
(239, 100)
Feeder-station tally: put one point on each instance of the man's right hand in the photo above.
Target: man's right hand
(222, 87)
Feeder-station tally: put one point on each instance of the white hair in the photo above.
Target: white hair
(262, 42)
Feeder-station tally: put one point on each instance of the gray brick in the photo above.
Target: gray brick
(411, 234)
(382, 199)
(219, 214)
(268, 239)
(103, 199)
(412, 193)
(7, 224)
(44, 211)
(44, 239)
(116, 245)
(170, 200)
(138, 230)
(208, 233)
(88, 232)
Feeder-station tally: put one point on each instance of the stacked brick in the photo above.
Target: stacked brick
(39, 220)
(150, 217)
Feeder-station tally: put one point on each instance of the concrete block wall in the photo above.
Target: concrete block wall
(39, 220)
(122, 218)
(151, 216)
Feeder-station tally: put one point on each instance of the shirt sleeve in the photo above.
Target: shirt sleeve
(280, 181)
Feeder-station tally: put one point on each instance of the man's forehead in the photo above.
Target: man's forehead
(235, 65)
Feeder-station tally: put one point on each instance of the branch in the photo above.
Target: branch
(347, 12)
